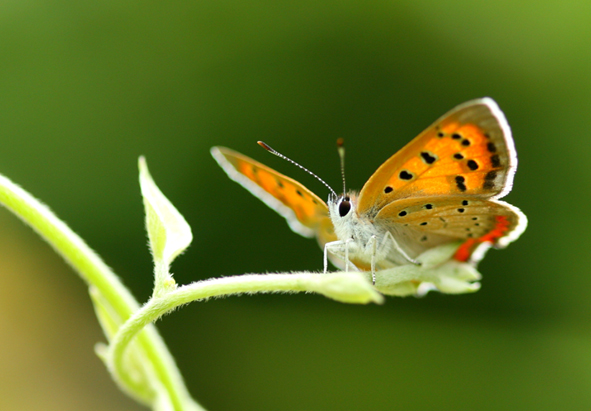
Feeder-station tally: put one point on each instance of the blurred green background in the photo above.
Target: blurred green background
(87, 87)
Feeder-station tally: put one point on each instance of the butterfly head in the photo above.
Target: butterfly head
(339, 204)
(344, 206)
(342, 212)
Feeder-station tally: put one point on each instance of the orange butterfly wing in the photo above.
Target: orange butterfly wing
(441, 186)
(304, 211)
(426, 222)
(467, 152)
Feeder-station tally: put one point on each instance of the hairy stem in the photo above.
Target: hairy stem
(345, 287)
(95, 272)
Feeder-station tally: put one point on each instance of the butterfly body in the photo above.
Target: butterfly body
(440, 188)
(357, 235)
(362, 239)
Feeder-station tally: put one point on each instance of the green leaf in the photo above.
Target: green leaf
(438, 271)
(168, 231)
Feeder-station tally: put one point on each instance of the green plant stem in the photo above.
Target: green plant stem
(346, 287)
(95, 272)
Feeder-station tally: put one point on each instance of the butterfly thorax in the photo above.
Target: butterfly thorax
(358, 231)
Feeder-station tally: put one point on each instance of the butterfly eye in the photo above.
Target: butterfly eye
(344, 207)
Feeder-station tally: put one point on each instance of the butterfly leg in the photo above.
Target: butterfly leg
(347, 254)
(326, 247)
(397, 248)
(338, 245)
(374, 250)
(326, 257)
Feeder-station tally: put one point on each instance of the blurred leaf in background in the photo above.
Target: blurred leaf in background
(87, 87)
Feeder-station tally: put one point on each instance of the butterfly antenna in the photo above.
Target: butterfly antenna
(278, 154)
(341, 150)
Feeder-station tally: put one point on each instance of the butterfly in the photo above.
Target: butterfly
(442, 187)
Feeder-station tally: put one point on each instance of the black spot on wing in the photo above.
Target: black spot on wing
(489, 180)
(460, 180)
(405, 175)
(428, 158)
(472, 165)
(458, 156)
(388, 189)
(495, 160)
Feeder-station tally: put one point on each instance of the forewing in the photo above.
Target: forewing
(305, 212)
(419, 224)
(467, 152)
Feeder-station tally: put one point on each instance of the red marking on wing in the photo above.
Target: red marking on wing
(464, 252)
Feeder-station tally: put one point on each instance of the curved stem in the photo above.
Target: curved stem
(95, 272)
(345, 287)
